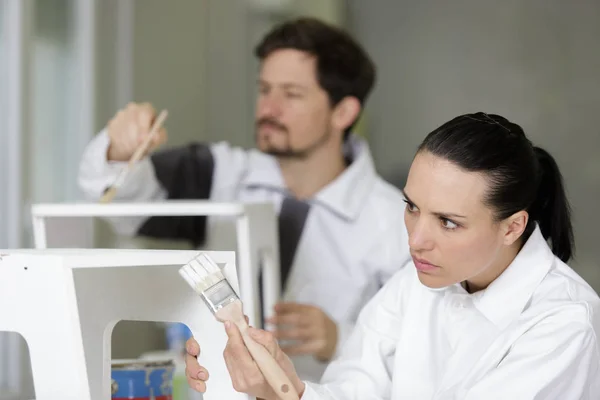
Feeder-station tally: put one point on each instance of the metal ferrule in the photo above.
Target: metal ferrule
(219, 295)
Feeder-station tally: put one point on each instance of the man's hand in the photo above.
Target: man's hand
(195, 374)
(312, 330)
(245, 374)
(129, 128)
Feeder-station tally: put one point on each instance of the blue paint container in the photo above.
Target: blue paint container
(142, 379)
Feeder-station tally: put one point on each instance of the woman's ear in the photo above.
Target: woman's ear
(514, 226)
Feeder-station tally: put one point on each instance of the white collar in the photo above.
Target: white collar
(345, 195)
(505, 299)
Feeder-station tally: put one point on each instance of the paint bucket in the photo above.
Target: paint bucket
(142, 379)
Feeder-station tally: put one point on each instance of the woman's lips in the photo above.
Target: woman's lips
(424, 265)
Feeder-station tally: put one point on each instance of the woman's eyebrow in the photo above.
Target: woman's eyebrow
(437, 213)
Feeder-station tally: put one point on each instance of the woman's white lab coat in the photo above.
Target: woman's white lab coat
(532, 334)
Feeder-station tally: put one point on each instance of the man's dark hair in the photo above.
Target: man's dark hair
(343, 67)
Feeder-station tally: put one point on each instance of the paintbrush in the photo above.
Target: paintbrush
(111, 192)
(206, 278)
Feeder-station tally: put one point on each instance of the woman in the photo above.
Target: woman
(488, 309)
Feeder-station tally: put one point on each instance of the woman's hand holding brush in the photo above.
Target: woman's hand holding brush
(245, 374)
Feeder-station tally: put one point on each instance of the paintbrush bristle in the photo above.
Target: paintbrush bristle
(206, 278)
(202, 272)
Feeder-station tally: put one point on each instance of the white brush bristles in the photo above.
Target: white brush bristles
(201, 273)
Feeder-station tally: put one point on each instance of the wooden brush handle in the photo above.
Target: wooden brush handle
(137, 156)
(273, 373)
(271, 370)
(143, 148)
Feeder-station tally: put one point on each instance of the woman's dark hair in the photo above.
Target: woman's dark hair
(521, 176)
(343, 66)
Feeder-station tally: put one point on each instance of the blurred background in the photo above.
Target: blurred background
(66, 66)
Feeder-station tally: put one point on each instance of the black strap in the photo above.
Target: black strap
(185, 173)
(292, 219)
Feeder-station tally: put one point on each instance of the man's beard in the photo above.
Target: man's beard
(287, 151)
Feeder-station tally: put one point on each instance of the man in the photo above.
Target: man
(340, 225)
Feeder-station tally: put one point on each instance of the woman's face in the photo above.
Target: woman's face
(453, 236)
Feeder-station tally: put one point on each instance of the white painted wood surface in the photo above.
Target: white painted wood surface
(256, 234)
(67, 301)
(65, 304)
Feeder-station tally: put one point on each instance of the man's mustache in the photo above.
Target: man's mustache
(269, 122)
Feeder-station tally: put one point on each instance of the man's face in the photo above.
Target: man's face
(293, 113)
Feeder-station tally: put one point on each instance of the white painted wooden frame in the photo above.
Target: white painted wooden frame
(65, 304)
(257, 247)
(256, 230)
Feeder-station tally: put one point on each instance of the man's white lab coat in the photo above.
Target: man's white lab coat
(532, 334)
(353, 241)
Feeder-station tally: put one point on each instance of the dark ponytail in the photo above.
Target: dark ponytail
(551, 208)
(520, 176)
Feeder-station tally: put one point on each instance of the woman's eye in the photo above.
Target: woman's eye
(410, 207)
(447, 224)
